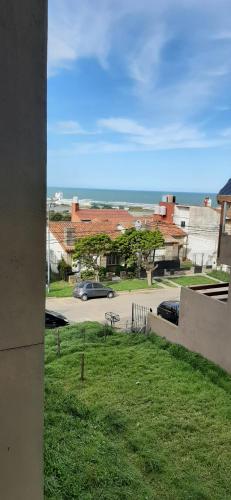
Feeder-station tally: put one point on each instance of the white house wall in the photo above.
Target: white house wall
(56, 252)
(202, 226)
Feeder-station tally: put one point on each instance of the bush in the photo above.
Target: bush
(64, 269)
(88, 274)
(57, 216)
(102, 273)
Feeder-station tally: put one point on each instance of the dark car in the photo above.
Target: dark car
(169, 310)
(55, 320)
(91, 290)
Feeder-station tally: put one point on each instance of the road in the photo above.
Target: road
(94, 310)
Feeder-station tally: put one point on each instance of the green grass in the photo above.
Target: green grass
(60, 289)
(220, 275)
(150, 421)
(129, 285)
(193, 280)
(63, 289)
(167, 283)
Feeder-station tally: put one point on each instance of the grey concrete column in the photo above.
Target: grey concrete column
(23, 44)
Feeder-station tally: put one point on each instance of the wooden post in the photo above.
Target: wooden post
(221, 226)
(58, 344)
(82, 366)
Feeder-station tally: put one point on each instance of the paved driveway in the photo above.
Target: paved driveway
(94, 310)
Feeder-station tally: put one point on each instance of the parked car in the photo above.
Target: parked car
(55, 320)
(169, 310)
(91, 290)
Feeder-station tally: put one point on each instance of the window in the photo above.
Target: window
(97, 285)
(89, 286)
(113, 260)
(182, 223)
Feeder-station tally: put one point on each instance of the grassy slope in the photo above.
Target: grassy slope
(220, 275)
(151, 421)
(193, 280)
(63, 289)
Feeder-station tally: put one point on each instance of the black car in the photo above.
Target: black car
(55, 320)
(169, 310)
(91, 290)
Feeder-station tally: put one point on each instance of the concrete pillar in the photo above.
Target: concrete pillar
(23, 39)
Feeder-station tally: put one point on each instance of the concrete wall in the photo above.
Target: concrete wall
(22, 252)
(204, 327)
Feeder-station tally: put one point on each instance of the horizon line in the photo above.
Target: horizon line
(167, 191)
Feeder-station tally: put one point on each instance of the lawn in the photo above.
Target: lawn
(193, 280)
(129, 285)
(167, 283)
(63, 289)
(220, 275)
(150, 421)
(60, 289)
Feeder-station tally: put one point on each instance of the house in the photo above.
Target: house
(99, 215)
(201, 224)
(205, 311)
(61, 236)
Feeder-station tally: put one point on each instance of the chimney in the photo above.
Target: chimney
(74, 208)
(168, 208)
(69, 236)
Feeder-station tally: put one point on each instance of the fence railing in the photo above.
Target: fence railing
(139, 318)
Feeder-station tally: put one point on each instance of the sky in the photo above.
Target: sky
(139, 94)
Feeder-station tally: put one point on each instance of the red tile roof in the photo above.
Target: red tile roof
(81, 229)
(167, 229)
(102, 215)
(110, 227)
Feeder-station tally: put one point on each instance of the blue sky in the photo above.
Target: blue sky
(139, 94)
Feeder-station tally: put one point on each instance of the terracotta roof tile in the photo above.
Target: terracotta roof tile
(111, 227)
(102, 215)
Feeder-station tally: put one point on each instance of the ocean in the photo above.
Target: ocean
(136, 197)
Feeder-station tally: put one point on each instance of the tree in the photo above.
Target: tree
(139, 246)
(64, 269)
(57, 216)
(89, 249)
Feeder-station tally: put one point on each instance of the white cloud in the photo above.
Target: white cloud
(144, 62)
(69, 127)
(134, 137)
(122, 125)
(143, 36)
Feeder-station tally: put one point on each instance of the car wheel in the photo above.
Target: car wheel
(110, 295)
(84, 297)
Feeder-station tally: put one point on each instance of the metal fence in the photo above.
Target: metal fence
(139, 318)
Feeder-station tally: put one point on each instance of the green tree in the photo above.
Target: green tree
(58, 216)
(138, 247)
(90, 249)
(64, 269)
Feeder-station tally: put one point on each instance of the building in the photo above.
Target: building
(205, 311)
(23, 210)
(224, 247)
(201, 225)
(99, 215)
(61, 236)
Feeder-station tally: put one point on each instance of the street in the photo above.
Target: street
(94, 310)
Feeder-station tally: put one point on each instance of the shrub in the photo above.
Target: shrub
(88, 274)
(102, 273)
(64, 269)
